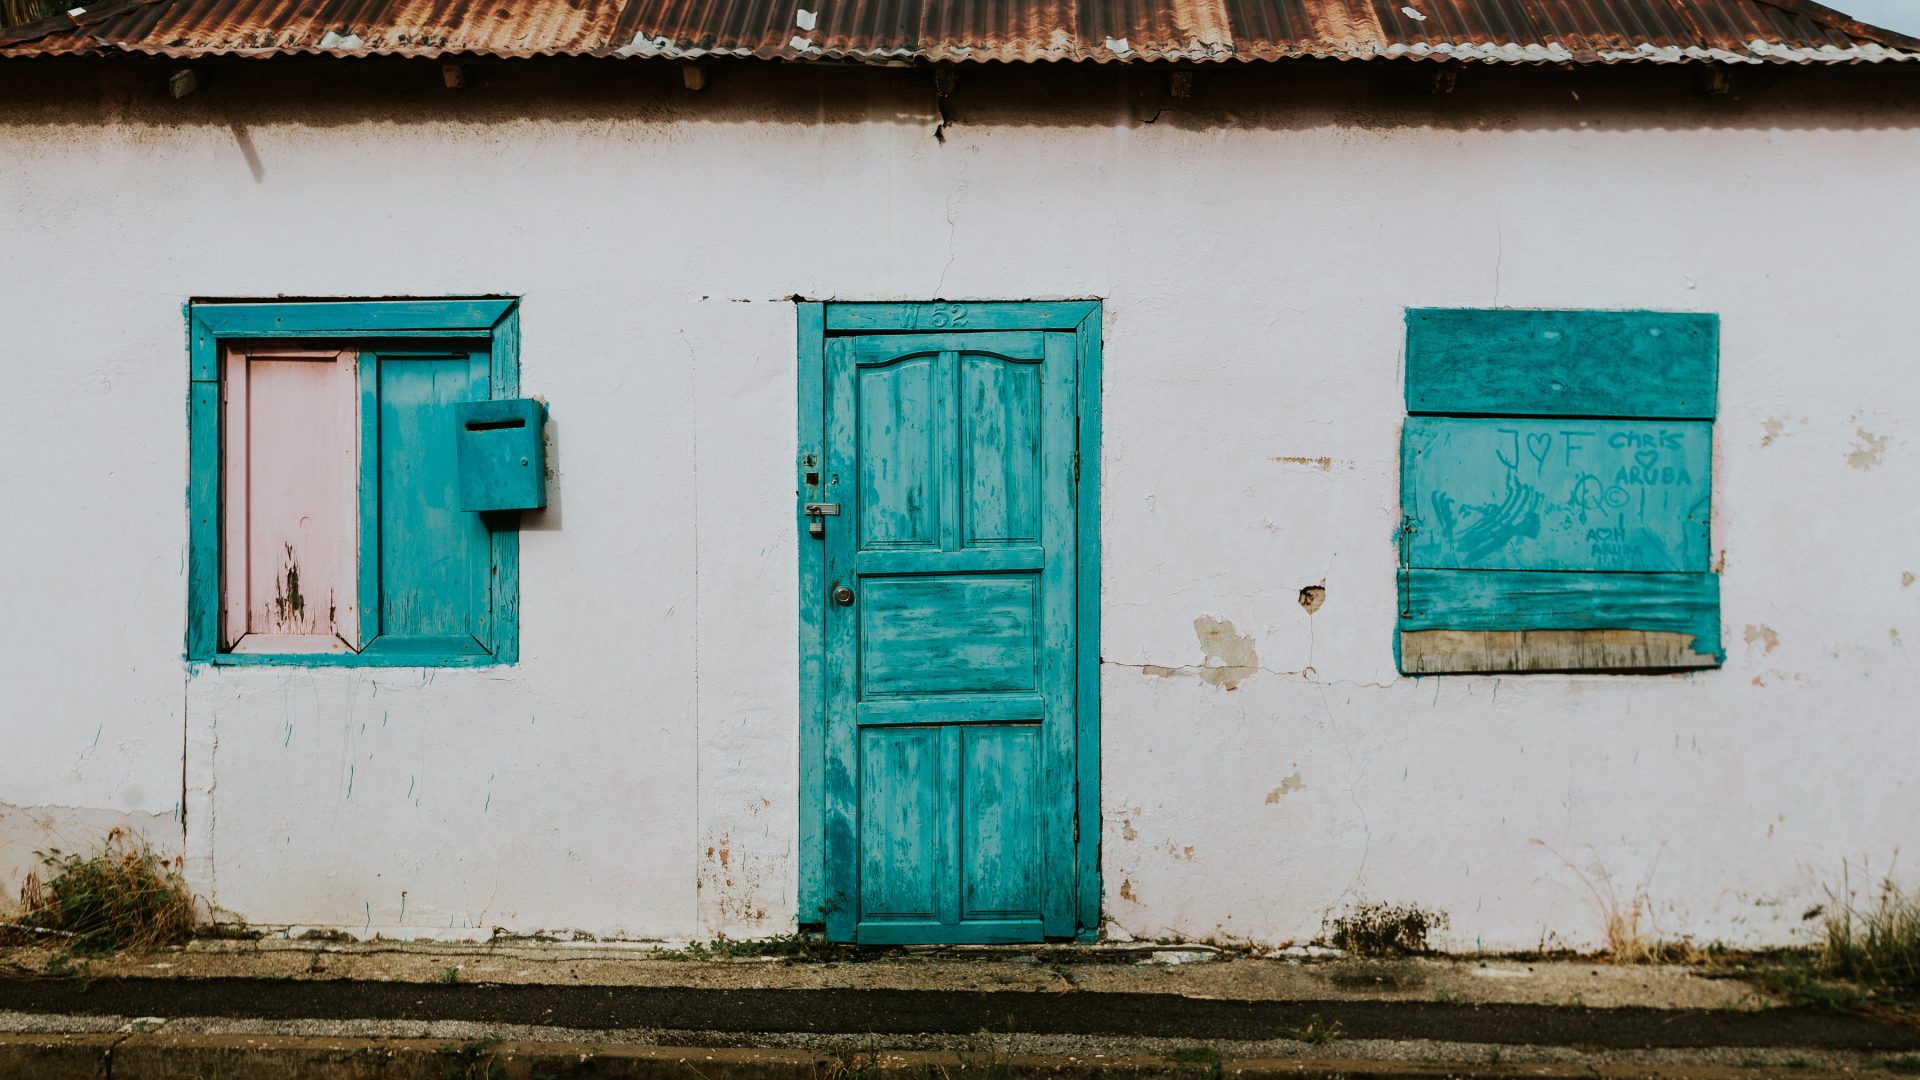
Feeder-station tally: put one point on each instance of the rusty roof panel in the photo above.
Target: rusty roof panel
(877, 31)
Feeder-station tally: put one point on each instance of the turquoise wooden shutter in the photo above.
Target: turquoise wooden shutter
(425, 564)
(1556, 472)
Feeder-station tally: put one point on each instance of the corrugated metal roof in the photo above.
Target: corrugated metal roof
(1579, 31)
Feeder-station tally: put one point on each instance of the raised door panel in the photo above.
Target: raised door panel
(1000, 429)
(1001, 812)
(948, 634)
(906, 814)
(897, 472)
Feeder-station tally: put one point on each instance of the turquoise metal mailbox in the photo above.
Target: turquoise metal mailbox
(502, 457)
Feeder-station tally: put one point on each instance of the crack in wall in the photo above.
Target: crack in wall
(1305, 674)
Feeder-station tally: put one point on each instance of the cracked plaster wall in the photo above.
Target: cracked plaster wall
(634, 775)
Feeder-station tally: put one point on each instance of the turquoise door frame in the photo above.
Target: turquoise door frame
(821, 899)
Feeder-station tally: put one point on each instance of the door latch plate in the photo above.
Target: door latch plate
(817, 515)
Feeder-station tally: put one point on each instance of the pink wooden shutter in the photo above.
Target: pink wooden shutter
(289, 438)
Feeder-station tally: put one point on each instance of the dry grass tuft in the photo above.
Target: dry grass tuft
(1878, 943)
(1628, 921)
(119, 896)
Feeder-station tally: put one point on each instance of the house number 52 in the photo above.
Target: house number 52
(949, 316)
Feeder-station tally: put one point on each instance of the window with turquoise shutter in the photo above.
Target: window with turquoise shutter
(1556, 481)
(335, 515)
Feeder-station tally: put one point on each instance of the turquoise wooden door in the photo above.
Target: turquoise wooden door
(949, 636)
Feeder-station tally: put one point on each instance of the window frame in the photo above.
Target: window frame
(211, 325)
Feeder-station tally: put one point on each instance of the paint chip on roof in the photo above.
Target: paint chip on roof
(335, 40)
(1412, 12)
(804, 19)
(74, 13)
(1118, 46)
(800, 43)
(642, 45)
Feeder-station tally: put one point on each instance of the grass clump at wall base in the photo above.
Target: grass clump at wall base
(119, 896)
(1378, 929)
(1878, 944)
(798, 946)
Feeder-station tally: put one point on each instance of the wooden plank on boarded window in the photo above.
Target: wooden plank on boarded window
(1500, 494)
(1562, 363)
(1502, 600)
(289, 459)
(1453, 652)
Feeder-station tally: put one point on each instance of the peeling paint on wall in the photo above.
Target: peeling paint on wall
(1870, 450)
(1183, 853)
(1229, 655)
(1762, 635)
(1287, 787)
(1231, 658)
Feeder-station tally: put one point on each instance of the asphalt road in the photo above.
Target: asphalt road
(896, 1012)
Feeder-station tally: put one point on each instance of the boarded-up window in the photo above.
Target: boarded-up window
(1556, 470)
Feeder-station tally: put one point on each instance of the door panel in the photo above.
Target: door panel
(906, 850)
(900, 442)
(948, 633)
(1000, 779)
(950, 662)
(1000, 451)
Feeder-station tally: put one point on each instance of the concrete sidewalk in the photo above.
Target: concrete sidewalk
(277, 1007)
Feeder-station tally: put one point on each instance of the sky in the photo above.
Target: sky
(1900, 15)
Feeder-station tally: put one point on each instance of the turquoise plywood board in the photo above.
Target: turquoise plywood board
(433, 559)
(952, 459)
(1504, 600)
(1643, 364)
(1510, 494)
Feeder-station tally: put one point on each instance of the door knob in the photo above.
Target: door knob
(842, 595)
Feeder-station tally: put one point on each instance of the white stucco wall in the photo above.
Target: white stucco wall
(635, 774)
